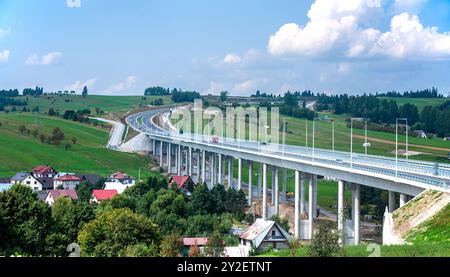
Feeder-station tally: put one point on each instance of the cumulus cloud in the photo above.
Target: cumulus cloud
(50, 58)
(232, 58)
(4, 56)
(336, 27)
(73, 3)
(79, 85)
(129, 83)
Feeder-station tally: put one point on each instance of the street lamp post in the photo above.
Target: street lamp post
(396, 142)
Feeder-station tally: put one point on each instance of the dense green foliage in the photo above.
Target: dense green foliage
(324, 242)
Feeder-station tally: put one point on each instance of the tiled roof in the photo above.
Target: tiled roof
(43, 169)
(179, 180)
(104, 194)
(68, 178)
(195, 241)
(63, 193)
(120, 175)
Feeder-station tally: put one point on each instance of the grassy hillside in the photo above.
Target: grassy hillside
(419, 102)
(115, 104)
(436, 229)
(21, 152)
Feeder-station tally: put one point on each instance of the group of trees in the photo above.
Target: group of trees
(159, 91)
(33, 92)
(6, 101)
(425, 93)
(9, 93)
(178, 95)
(79, 115)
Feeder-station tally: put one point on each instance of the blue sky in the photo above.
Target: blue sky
(120, 47)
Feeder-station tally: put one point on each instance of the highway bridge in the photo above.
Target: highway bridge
(205, 157)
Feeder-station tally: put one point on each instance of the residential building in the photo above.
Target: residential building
(100, 195)
(27, 179)
(42, 194)
(190, 242)
(66, 182)
(47, 182)
(420, 134)
(91, 179)
(263, 234)
(5, 184)
(44, 171)
(121, 177)
(184, 183)
(53, 195)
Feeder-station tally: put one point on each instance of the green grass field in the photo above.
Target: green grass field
(21, 152)
(115, 104)
(419, 102)
(415, 250)
(437, 229)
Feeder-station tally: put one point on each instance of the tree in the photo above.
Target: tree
(141, 250)
(111, 232)
(171, 246)
(42, 138)
(67, 146)
(97, 110)
(214, 246)
(324, 242)
(24, 222)
(74, 140)
(194, 251)
(35, 133)
(85, 92)
(223, 96)
(294, 244)
(22, 129)
(201, 199)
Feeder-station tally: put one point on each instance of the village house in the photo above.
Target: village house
(263, 234)
(190, 242)
(66, 182)
(100, 195)
(184, 183)
(420, 134)
(26, 179)
(44, 172)
(5, 184)
(119, 181)
(53, 195)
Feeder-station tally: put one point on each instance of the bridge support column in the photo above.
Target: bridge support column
(230, 172)
(250, 183)
(302, 196)
(161, 162)
(264, 184)
(403, 199)
(273, 186)
(283, 193)
(212, 170)
(356, 208)
(203, 166)
(219, 158)
(199, 160)
(239, 174)
(189, 162)
(259, 180)
(391, 201)
(310, 206)
(179, 160)
(297, 205)
(277, 191)
(340, 212)
(169, 158)
(315, 213)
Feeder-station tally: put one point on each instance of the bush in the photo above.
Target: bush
(324, 242)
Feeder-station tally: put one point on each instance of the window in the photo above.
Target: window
(274, 233)
(28, 182)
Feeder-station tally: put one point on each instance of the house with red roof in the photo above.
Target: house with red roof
(44, 171)
(66, 182)
(184, 183)
(121, 177)
(99, 195)
(53, 195)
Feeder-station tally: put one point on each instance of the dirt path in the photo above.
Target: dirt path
(403, 144)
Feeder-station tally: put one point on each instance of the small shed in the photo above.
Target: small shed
(264, 234)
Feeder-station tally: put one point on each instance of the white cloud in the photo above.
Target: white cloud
(50, 58)
(215, 88)
(129, 83)
(232, 58)
(79, 85)
(4, 56)
(249, 86)
(4, 32)
(73, 3)
(336, 27)
(344, 68)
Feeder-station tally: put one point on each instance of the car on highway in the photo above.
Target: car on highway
(215, 139)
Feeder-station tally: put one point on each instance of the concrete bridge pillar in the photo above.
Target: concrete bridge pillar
(161, 162)
(220, 176)
(189, 161)
(199, 160)
(259, 180)
(230, 172)
(264, 184)
(283, 192)
(212, 170)
(403, 199)
(310, 205)
(315, 214)
(203, 169)
(153, 147)
(356, 212)
(273, 186)
(169, 158)
(239, 174)
(179, 160)
(391, 201)
(297, 213)
(250, 183)
(340, 211)
(302, 195)
(277, 191)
